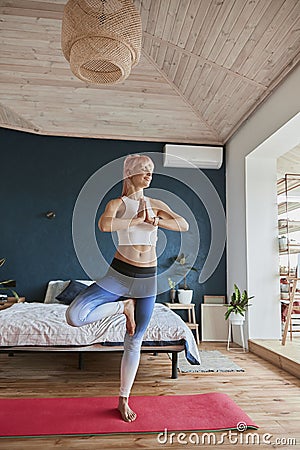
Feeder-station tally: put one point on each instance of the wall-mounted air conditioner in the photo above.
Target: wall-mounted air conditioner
(201, 156)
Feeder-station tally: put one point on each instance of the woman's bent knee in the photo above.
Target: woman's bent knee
(72, 319)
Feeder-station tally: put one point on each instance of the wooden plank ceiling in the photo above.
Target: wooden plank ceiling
(205, 66)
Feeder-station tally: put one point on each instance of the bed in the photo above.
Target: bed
(42, 327)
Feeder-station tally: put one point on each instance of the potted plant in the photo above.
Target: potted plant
(185, 294)
(239, 303)
(8, 284)
(172, 285)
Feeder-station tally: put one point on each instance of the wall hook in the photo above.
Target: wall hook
(50, 215)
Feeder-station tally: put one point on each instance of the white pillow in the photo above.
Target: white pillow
(55, 287)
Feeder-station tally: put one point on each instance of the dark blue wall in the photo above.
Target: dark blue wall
(42, 173)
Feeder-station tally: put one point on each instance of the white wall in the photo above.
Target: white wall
(262, 248)
(263, 134)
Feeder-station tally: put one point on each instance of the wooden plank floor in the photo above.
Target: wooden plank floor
(269, 395)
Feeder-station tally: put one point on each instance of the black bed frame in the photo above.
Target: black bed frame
(172, 349)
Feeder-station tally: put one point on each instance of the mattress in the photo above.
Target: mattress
(40, 324)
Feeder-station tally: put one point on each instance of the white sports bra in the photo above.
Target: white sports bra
(141, 234)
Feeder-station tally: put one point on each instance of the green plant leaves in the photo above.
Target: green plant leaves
(239, 302)
(7, 284)
(237, 293)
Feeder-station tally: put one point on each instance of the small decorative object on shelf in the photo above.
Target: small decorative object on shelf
(8, 284)
(172, 286)
(3, 299)
(283, 243)
(284, 289)
(185, 294)
(284, 270)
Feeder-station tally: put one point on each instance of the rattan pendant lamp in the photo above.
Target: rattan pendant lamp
(101, 39)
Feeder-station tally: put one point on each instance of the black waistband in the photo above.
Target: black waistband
(128, 269)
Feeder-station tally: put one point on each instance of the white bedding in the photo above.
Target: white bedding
(40, 324)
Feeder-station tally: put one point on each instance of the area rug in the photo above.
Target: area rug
(211, 361)
(91, 416)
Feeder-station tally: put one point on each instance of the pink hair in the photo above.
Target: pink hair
(130, 164)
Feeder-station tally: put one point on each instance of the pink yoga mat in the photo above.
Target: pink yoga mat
(89, 415)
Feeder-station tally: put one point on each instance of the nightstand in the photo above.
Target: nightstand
(11, 301)
(190, 308)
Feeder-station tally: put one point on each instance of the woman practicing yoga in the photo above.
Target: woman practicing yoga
(129, 286)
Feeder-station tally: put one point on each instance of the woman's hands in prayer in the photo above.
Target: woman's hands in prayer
(143, 212)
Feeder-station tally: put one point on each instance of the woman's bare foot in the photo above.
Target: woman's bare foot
(129, 313)
(127, 414)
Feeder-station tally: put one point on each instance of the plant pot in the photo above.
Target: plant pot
(236, 319)
(172, 295)
(185, 296)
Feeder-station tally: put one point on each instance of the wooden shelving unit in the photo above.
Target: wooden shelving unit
(294, 225)
(284, 208)
(293, 184)
(191, 323)
(288, 190)
(291, 249)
